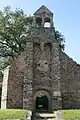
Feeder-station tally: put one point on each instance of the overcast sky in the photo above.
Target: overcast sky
(66, 19)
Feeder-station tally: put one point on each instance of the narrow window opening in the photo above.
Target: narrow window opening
(47, 23)
(39, 21)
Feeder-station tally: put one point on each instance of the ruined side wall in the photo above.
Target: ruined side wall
(15, 83)
(4, 88)
(70, 82)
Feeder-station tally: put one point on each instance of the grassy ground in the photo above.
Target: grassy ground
(71, 114)
(20, 114)
(12, 114)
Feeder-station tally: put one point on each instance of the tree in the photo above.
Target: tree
(60, 38)
(14, 28)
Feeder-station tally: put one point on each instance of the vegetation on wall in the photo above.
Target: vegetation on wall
(61, 40)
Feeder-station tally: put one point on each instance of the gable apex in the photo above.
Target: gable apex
(43, 9)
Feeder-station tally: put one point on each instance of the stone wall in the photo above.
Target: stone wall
(4, 88)
(15, 83)
(70, 82)
(37, 69)
(46, 65)
(68, 88)
(42, 67)
(28, 75)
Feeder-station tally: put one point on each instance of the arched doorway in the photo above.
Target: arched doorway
(42, 103)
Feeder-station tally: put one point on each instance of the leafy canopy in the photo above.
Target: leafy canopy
(61, 40)
(14, 28)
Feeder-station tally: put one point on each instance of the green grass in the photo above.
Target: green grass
(71, 114)
(12, 114)
(20, 114)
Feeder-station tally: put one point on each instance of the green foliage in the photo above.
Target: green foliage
(3, 63)
(14, 28)
(71, 114)
(12, 114)
(61, 40)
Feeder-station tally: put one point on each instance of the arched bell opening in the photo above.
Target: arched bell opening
(47, 23)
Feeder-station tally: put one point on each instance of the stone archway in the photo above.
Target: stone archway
(42, 101)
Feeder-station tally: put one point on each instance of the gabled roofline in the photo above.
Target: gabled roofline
(43, 6)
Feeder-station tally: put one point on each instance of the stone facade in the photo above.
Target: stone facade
(15, 83)
(43, 77)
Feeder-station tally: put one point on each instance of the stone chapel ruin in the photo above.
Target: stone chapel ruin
(42, 78)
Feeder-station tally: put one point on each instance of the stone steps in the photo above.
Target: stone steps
(57, 115)
(43, 116)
